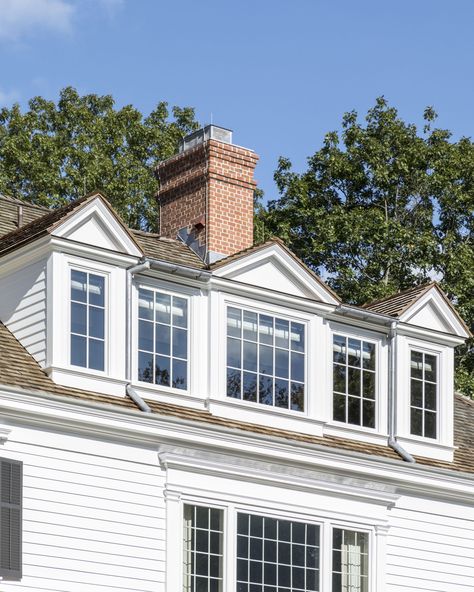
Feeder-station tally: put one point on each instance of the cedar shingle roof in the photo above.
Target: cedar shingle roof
(9, 213)
(19, 369)
(397, 304)
(167, 249)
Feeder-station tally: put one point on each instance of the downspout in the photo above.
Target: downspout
(139, 402)
(392, 395)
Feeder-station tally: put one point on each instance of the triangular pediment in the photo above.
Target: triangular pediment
(274, 268)
(95, 224)
(433, 311)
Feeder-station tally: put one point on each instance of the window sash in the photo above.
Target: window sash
(354, 380)
(424, 394)
(87, 319)
(163, 338)
(266, 359)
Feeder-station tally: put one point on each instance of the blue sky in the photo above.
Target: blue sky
(280, 73)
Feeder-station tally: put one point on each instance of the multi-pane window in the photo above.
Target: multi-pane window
(276, 555)
(87, 319)
(265, 359)
(203, 548)
(162, 339)
(423, 394)
(354, 378)
(350, 561)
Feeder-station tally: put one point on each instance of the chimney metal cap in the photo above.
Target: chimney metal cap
(209, 132)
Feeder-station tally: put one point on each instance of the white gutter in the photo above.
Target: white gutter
(142, 266)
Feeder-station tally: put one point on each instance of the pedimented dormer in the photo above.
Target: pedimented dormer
(97, 225)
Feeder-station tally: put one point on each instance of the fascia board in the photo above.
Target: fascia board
(65, 245)
(24, 256)
(277, 253)
(242, 289)
(106, 219)
(439, 337)
(89, 418)
(444, 310)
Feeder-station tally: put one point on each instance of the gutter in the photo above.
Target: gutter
(392, 394)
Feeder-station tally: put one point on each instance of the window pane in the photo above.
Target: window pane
(180, 370)
(234, 322)
(416, 422)
(250, 325)
(282, 333)
(96, 290)
(281, 393)
(233, 383)
(416, 393)
(369, 355)
(416, 364)
(368, 389)
(353, 382)
(96, 354)
(78, 286)
(78, 318)
(145, 336)
(368, 414)
(162, 339)
(353, 410)
(275, 555)
(430, 396)
(145, 367)
(145, 304)
(354, 353)
(297, 337)
(339, 378)
(180, 343)
(297, 367)
(430, 424)
(297, 396)
(339, 408)
(266, 359)
(162, 370)
(162, 308)
(265, 328)
(250, 356)
(265, 390)
(339, 349)
(430, 368)
(180, 312)
(78, 351)
(250, 387)
(233, 353)
(282, 363)
(96, 322)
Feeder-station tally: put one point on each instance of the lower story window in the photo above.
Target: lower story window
(271, 554)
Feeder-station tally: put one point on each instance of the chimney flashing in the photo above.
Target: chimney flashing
(209, 132)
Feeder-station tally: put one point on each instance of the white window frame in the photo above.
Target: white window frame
(274, 311)
(230, 511)
(99, 271)
(170, 290)
(381, 377)
(437, 355)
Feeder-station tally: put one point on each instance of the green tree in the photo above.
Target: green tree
(53, 153)
(383, 206)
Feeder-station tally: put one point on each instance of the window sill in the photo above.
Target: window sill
(264, 415)
(355, 432)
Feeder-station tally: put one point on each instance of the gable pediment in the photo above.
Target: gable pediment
(96, 225)
(433, 312)
(273, 268)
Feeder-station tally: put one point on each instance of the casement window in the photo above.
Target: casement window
(10, 519)
(265, 359)
(87, 320)
(269, 554)
(354, 381)
(423, 394)
(162, 339)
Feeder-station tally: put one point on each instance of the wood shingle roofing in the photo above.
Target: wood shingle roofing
(20, 370)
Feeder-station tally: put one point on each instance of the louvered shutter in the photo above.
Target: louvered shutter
(10, 518)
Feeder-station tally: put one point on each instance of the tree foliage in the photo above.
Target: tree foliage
(53, 153)
(384, 206)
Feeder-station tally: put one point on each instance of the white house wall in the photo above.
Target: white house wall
(23, 307)
(430, 546)
(93, 515)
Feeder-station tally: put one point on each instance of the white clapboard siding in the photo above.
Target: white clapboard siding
(93, 515)
(23, 307)
(430, 547)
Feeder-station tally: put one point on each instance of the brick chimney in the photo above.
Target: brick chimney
(206, 194)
